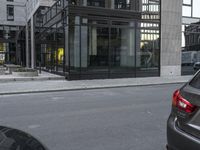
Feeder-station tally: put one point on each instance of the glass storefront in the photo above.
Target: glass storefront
(83, 43)
(8, 44)
(50, 49)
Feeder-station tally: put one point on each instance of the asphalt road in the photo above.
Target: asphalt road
(131, 118)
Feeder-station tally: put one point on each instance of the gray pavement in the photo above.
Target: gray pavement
(131, 118)
(43, 76)
(64, 85)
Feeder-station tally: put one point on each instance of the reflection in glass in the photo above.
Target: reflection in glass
(196, 12)
(94, 49)
(122, 48)
(190, 36)
(122, 4)
(96, 3)
(188, 2)
(187, 11)
(149, 54)
(97, 46)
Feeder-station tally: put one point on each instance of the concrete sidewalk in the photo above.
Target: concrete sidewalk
(63, 85)
(41, 77)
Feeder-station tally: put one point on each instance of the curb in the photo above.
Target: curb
(30, 79)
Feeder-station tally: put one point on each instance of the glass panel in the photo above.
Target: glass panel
(48, 15)
(60, 49)
(74, 46)
(94, 50)
(188, 2)
(96, 3)
(53, 11)
(75, 2)
(190, 48)
(66, 69)
(122, 48)
(59, 4)
(2, 53)
(148, 50)
(190, 38)
(187, 11)
(196, 12)
(122, 4)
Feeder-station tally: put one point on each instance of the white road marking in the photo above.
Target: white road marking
(34, 126)
(57, 98)
(150, 113)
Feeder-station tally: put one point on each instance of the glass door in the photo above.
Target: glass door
(95, 51)
(122, 52)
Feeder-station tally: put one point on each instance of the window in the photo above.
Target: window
(96, 3)
(122, 4)
(187, 2)
(10, 12)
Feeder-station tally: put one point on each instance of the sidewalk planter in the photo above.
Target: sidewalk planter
(24, 72)
(2, 70)
(12, 67)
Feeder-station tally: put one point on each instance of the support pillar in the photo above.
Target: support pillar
(32, 44)
(27, 47)
(171, 38)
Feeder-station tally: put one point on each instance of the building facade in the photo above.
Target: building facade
(101, 39)
(190, 36)
(12, 20)
(85, 39)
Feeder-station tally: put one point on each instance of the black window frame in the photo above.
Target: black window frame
(10, 17)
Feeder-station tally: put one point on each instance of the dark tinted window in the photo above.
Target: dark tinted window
(10, 12)
(96, 3)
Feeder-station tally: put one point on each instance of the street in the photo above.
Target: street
(132, 118)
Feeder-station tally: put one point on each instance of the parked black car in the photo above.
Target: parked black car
(183, 126)
(13, 139)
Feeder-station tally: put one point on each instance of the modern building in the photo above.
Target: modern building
(12, 20)
(190, 35)
(84, 39)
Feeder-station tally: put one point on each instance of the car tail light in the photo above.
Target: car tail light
(181, 103)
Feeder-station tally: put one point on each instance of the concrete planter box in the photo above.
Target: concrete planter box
(12, 67)
(33, 73)
(2, 70)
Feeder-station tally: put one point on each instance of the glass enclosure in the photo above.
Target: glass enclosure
(84, 43)
(8, 44)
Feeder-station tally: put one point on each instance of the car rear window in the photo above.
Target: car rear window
(195, 82)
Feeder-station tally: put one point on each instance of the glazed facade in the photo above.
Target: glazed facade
(99, 38)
